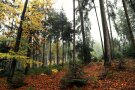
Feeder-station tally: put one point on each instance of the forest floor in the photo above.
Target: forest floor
(115, 80)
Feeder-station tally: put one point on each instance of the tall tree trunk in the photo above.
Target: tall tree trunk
(110, 34)
(107, 56)
(43, 59)
(74, 51)
(73, 32)
(33, 53)
(50, 51)
(45, 55)
(128, 23)
(57, 49)
(18, 39)
(63, 54)
(28, 54)
(99, 27)
(69, 56)
(29, 41)
(85, 52)
(62, 49)
(36, 55)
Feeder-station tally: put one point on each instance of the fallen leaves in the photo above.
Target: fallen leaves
(44, 82)
(120, 80)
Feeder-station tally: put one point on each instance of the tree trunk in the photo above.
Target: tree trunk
(85, 52)
(50, 51)
(110, 34)
(73, 32)
(43, 59)
(28, 54)
(129, 24)
(18, 39)
(62, 43)
(107, 56)
(63, 55)
(69, 56)
(29, 50)
(57, 51)
(99, 28)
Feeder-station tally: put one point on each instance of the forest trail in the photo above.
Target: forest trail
(116, 80)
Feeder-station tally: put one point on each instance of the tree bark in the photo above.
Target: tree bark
(29, 50)
(99, 27)
(85, 52)
(50, 51)
(63, 55)
(107, 56)
(73, 32)
(18, 39)
(62, 44)
(57, 51)
(28, 54)
(128, 23)
(43, 59)
(110, 34)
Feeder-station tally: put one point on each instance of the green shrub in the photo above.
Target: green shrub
(129, 51)
(17, 80)
(69, 82)
(74, 77)
(4, 48)
(55, 66)
(81, 49)
(4, 73)
(95, 57)
(45, 70)
(116, 54)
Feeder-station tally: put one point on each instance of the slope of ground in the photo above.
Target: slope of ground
(116, 80)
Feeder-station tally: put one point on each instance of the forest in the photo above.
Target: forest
(42, 49)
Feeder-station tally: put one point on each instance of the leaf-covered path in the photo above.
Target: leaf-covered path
(116, 80)
(44, 82)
